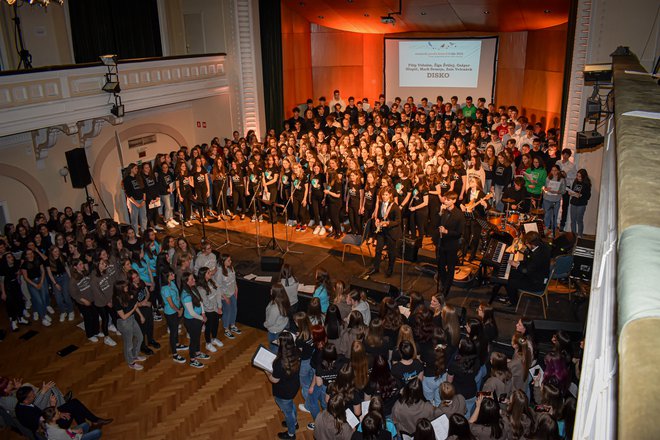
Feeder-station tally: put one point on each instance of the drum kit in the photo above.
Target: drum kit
(510, 221)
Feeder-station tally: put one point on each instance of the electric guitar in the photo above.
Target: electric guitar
(469, 208)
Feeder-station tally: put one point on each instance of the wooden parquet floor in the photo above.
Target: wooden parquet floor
(227, 399)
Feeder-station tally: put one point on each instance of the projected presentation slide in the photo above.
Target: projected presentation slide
(431, 67)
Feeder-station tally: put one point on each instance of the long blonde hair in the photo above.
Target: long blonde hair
(406, 334)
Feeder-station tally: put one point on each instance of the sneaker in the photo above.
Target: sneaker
(155, 344)
(228, 334)
(140, 358)
(23, 321)
(196, 364)
(285, 435)
(170, 225)
(109, 341)
(229, 213)
(158, 317)
(178, 359)
(146, 350)
(322, 231)
(181, 347)
(316, 230)
(254, 219)
(217, 342)
(35, 316)
(72, 316)
(50, 310)
(303, 228)
(297, 228)
(158, 227)
(202, 356)
(135, 366)
(311, 426)
(26, 314)
(48, 318)
(174, 222)
(45, 322)
(14, 325)
(301, 407)
(235, 329)
(62, 317)
(112, 328)
(261, 219)
(211, 348)
(93, 339)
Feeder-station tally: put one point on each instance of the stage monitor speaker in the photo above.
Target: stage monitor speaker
(374, 290)
(583, 259)
(412, 248)
(76, 161)
(271, 264)
(588, 140)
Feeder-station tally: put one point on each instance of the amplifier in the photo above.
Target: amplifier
(583, 259)
(271, 264)
(374, 290)
(411, 248)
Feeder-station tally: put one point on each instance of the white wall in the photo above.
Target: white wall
(213, 16)
(181, 118)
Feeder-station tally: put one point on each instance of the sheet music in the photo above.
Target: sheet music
(250, 277)
(365, 407)
(441, 427)
(537, 373)
(306, 288)
(351, 419)
(553, 185)
(405, 311)
(264, 278)
(263, 359)
(530, 227)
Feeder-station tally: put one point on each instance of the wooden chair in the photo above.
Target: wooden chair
(356, 241)
(542, 294)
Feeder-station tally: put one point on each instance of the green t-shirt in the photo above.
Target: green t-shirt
(534, 180)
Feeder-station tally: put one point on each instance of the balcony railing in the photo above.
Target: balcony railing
(63, 97)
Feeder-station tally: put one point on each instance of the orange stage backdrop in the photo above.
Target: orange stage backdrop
(316, 60)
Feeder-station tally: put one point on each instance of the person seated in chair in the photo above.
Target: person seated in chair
(29, 415)
(532, 272)
(388, 231)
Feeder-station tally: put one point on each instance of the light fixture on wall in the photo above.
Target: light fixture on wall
(64, 171)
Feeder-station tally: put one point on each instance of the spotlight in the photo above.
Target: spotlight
(109, 60)
(118, 110)
(111, 87)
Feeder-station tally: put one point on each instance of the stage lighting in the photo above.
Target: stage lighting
(111, 87)
(118, 110)
(109, 60)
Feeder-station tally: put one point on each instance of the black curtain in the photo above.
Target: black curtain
(270, 24)
(128, 28)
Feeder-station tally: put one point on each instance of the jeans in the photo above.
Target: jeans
(481, 375)
(87, 434)
(431, 388)
(577, 219)
(39, 296)
(470, 406)
(288, 408)
(138, 215)
(271, 338)
(551, 212)
(131, 334)
(306, 378)
(168, 209)
(229, 310)
(62, 297)
(498, 190)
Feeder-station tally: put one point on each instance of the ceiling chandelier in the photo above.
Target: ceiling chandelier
(42, 3)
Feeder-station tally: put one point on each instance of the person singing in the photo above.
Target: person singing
(388, 231)
(452, 224)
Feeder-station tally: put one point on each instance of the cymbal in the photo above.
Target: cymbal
(538, 211)
(507, 200)
(494, 212)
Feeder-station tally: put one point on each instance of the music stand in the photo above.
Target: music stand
(227, 242)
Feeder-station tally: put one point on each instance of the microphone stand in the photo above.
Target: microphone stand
(227, 242)
(258, 246)
(287, 249)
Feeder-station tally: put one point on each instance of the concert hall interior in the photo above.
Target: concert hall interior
(354, 219)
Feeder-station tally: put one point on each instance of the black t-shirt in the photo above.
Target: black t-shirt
(254, 179)
(427, 356)
(237, 179)
(286, 179)
(336, 189)
(457, 177)
(151, 187)
(132, 188)
(317, 185)
(299, 186)
(125, 308)
(184, 186)
(370, 194)
(327, 373)
(306, 348)
(401, 189)
(406, 373)
(11, 275)
(464, 378)
(200, 181)
(165, 180)
(354, 194)
(288, 384)
(60, 268)
(33, 268)
(418, 197)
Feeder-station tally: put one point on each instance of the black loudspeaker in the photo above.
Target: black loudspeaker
(374, 290)
(271, 264)
(412, 248)
(583, 259)
(76, 161)
(589, 139)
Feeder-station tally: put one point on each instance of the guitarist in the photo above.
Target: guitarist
(452, 224)
(388, 230)
(474, 206)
